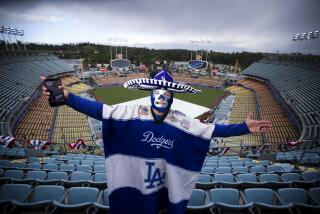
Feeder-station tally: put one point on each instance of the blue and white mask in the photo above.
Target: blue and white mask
(161, 99)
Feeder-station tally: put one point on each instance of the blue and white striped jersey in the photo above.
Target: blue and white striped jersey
(150, 167)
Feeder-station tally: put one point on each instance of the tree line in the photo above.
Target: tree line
(96, 54)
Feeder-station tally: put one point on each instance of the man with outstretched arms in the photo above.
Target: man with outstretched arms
(154, 154)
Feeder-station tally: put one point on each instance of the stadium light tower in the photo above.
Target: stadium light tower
(300, 37)
(2, 31)
(15, 32)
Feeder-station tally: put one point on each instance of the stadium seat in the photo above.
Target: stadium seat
(310, 176)
(33, 166)
(96, 163)
(67, 167)
(87, 162)
(248, 181)
(5, 163)
(11, 174)
(31, 177)
(103, 202)
(257, 169)
(84, 168)
(240, 169)
(8, 192)
(76, 199)
(78, 179)
(55, 178)
(227, 200)
(225, 180)
(265, 200)
(99, 168)
(99, 181)
(197, 202)
(315, 192)
(18, 165)
(41, 197)
(223, 170)
(208, 170)
(50, 167)
(274, 169)
(273, 181)
(300, 198)
(204, 182)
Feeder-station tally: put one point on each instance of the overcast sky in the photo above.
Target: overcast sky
(229, 25)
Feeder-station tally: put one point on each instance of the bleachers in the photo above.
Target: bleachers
(298, 84)
(282, 130)
(220, 190)
(244, 103)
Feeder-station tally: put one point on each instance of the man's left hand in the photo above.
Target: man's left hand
(257, 126)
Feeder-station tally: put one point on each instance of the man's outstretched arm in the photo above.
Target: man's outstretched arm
(247, 127)
(85, 106)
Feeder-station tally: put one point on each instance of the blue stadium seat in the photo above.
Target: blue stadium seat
(99, 168)
(103, 202)
(248, 180)
(223, 170)
(240, 169)
(273, 181)
(78, 179)
(257, 169)
(204, 182)
(225, 180)
(265, 200)
(99, 181)
(50, 167)
(10, 174)
(33, 166)
(8, 192)
(315, 192)
(76, 199)
(274, 169)
(300, 198)
(55, 178)
(96, 163)
(67, 167)
(5, 163)
(41, 197)
(18, 165)
(207, 170)
(197, 202)
(84, 168)
(87, 162)
(227, 200)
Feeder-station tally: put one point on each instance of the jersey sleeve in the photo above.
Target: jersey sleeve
(230, 130)
(88, 107)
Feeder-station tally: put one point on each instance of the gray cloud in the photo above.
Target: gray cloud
(254, 25)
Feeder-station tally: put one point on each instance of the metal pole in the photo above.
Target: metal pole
(5, 43)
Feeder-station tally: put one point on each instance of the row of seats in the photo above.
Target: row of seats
(14, 152)
(270, 109)
(52, 199)
(99, 167)
(244, 103)
(298, 85)
(247, 180)
(40, 177)
(255, 200)
(243, 169)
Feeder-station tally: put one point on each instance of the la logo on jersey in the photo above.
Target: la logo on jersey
(155, 177)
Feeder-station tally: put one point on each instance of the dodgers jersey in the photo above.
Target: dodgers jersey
(150, 167)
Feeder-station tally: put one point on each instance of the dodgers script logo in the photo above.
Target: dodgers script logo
(158, 142)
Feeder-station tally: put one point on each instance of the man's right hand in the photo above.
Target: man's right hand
(47, 94)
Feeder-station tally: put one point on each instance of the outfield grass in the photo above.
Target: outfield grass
(119, 94)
